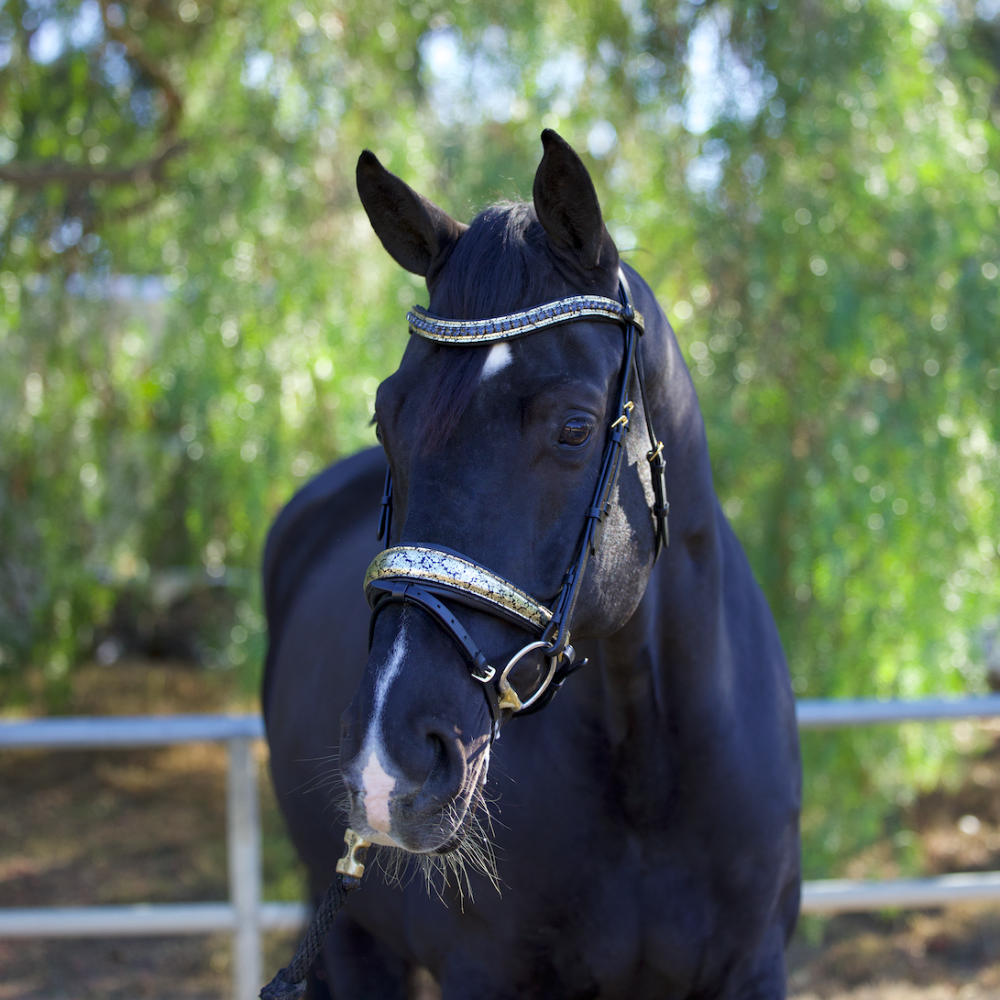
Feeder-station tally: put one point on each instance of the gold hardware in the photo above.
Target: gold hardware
(622, 421)
(350, 864)
(508, 697)
(653, 455)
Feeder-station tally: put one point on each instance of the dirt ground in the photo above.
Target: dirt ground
(149, 826)
(932, 955)
(89, 828)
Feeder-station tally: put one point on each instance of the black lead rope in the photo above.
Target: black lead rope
(290, 982)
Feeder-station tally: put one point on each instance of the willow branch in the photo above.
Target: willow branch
(34, 176)
(158, 73)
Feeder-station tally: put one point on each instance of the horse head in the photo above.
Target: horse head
(496, 447)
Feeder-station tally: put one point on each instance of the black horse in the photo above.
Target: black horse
(643, 833)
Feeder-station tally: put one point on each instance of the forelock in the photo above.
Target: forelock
(500, 265)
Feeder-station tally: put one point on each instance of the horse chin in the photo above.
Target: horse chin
(453, 845)
(382, 839)
(437, 835)
(445, 868)
(441, 833)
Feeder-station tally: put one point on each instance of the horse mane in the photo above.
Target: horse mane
(500, 265)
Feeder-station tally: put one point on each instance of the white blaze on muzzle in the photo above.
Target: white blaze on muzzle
(377, 784)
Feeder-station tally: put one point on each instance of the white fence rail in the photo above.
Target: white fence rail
(842, 895)
(246, 916)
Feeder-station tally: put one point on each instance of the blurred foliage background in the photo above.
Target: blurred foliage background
(195, 314)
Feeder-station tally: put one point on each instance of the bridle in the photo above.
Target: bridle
(424, 575)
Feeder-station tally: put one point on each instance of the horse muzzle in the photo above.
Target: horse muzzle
(424, 810)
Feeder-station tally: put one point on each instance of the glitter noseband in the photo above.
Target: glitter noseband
(426, 575)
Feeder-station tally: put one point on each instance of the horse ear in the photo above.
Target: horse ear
(567, 206)
(416, 233)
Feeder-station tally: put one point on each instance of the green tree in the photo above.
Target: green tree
(196, 314)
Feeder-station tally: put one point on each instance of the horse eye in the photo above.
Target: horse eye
(575, 432)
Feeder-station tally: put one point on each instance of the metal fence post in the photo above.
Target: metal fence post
(244, 843)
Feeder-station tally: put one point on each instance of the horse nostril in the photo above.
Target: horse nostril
(445, 772)
(439, 764)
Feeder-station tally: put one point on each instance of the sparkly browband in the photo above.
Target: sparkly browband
(487, 331)
(436, 568)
